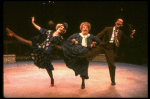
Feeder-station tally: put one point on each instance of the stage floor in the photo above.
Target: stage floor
(25, 80)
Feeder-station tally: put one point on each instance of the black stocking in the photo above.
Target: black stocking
(83, 83)
(51, 76)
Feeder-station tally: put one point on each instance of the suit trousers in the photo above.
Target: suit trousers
(109, 51)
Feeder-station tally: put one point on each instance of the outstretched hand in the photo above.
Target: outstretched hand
(133, 32)
(32, 19)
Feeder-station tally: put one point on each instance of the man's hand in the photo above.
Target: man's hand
(93, 44)
(133, 32)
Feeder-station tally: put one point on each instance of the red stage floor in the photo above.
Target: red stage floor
(24, 80)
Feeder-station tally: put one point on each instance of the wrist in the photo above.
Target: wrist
(131, 36)
(32, 22)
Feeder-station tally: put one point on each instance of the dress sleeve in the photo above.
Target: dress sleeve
(69, 39)
(43, 31)
(95, 38)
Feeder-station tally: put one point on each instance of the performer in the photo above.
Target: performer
(42, 45)
(110, 38)
(79, 44)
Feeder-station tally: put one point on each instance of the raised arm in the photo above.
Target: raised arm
(38, 27)
(131, 35)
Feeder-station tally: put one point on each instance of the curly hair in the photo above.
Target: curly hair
(87, 24)
(59, 25)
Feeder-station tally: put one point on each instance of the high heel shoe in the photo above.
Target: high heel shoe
(9, 32)
(52, 85)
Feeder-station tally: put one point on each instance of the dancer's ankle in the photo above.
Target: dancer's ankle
(52, 81)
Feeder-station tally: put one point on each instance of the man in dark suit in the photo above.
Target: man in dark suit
(109, 45)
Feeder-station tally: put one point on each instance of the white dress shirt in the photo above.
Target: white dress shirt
(112, 37)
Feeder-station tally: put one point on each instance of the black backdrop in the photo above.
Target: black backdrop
(17, 16)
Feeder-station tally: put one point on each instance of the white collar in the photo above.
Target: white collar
(84, 36)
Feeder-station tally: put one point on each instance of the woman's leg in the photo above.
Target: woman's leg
(19, 39)
(51, 77)
(83, 83)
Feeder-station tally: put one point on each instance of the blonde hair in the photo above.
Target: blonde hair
(87, 24)
(59, 25)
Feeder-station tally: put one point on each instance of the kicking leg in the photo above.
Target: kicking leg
(19, 39)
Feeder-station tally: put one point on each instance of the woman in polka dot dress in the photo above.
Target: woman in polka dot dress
(42, 45)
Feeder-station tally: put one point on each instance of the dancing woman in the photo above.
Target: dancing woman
(76, 45)
(42, 45)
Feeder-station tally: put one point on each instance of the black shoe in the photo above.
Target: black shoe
(83, 86)
(52, 83)
(113, 83)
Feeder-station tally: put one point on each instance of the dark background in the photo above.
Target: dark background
(17, 16)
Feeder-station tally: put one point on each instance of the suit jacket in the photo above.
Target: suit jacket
(106, 34)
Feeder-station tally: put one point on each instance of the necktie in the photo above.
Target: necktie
(116, 39)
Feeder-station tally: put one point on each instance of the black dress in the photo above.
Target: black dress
(72, 50)
(42, 48)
